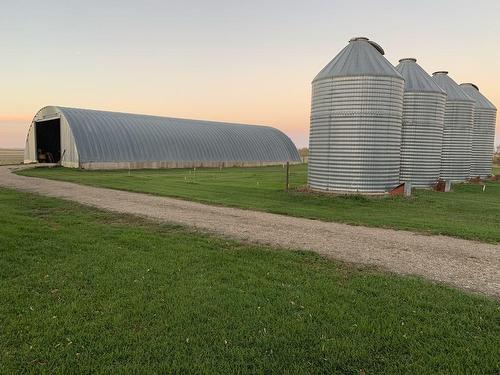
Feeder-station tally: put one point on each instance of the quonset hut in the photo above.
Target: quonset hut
(356, 110)
(82, 138)
(458, 119)
(422, 133)
(483, 132)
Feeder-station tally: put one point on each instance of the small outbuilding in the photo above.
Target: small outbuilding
(90, 139)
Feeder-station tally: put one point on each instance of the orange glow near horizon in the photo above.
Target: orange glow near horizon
(242, 62)
(13, 128)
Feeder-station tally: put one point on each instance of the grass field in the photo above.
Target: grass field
(467, 212)
(88, 291)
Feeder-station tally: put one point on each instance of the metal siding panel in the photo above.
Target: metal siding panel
(69, 153)
(483, 142)
(457, 130)
(456, 151)
(421, 137)
(483, 132)
(355, 135)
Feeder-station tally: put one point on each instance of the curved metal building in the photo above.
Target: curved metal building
(458, 119)
(422, 132)
(82, 138)
(355, 135)
(483, 132)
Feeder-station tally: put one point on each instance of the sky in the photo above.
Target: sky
(248, 62)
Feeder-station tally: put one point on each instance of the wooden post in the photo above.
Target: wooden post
(287, 176)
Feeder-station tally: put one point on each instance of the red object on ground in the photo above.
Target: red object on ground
(398, 190)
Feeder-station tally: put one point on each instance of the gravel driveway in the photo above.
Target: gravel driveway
(465, 264)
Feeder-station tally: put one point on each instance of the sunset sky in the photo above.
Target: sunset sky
(249, 62)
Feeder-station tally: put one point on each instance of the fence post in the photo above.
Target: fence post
(287, 176)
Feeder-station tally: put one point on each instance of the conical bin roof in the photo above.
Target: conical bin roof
(361, 57)
(416, 78)
(473, 91)
(452, 89)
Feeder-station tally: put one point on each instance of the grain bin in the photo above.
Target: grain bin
(458, 118)
(356, 110)
(422, 132)
(483, 131)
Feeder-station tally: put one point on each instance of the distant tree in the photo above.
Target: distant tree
(304, 151)
(496, 157)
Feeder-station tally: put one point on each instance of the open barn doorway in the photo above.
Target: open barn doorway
(48, 141)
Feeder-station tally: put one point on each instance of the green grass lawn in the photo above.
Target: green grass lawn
(84, 291)
(467, 212)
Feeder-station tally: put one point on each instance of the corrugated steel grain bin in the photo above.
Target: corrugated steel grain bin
(356, 110)
(422, 132)
(83, 138)
(483, 132)
(458, 119)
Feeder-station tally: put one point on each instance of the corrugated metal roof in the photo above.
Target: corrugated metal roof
(416, 78)
(360, 57)
(449, 86)
(474, 93)
(103, 136)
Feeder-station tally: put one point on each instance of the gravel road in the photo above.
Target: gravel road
(468, 265)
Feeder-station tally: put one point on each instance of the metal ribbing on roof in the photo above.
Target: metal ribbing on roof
(483, 132)
(102, 136)
(458, 120)
(361, 57)
(422, 132)
(355, 135)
